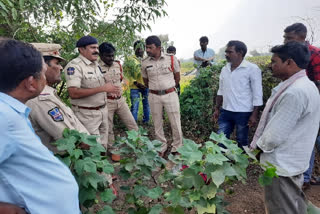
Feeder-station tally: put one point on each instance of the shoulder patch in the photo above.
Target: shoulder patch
(56, 114)
(70, 71)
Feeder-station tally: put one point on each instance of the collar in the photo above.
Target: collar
(86, 61)
(161, 56)
(15, 104)
(244, 64)
(46, 93)
(275, 89)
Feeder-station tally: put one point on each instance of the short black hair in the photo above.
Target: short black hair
(298, 29)
(106, 47)
(138, 44)
(204, 39)
(296, 51)
(47, 59)
(239, 46)
(18, 61)
(153, 40)
(171, 49)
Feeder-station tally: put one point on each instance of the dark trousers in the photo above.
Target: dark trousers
(229, 120)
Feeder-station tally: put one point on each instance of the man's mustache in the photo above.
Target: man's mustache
(95, 53)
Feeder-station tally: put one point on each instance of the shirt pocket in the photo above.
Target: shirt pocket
(90, 80)
(242, 83)
(151, 71)
(165, 69)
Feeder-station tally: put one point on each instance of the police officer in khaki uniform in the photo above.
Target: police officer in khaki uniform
(49, 115)
(161, 73)
(113, 73)
(87, 88)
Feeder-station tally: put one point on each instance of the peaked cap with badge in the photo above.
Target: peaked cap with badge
(49, 49)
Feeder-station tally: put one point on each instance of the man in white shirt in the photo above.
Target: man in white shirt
(204, 56)
(288, 128)
(239, 94)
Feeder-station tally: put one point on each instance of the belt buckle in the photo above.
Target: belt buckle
(162, 92)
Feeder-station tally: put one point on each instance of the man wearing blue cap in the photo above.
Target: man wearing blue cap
(87, 88)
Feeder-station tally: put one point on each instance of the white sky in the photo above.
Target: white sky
(258, 23)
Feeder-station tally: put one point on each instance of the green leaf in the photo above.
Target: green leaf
(213, 147)
(139, 191)
(3, 7)
(133, 135)
(221, 138)
(216, 159)
(77, 153)
(91, 140)
(78, 166)
(21, 4)
(108, 167)
(175, 210)
(67, 144)
(173, 196)
(66, 161)
(195, 195)
(86, 194)
(107, 196)
(156, 209)
(97, 149)
(154, 193)
(125, 175)
(208, 209)
(190, 151)
(106, 210)
(266, 178)
(312, 209)
(209, 191)
(10, 3)
(218, 176)
(94, 179)
(89, 165)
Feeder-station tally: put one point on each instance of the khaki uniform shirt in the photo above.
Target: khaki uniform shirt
(82, 73)
(50, 116)
(112, 74)
(159, 72)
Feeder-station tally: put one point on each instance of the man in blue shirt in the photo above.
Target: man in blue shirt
(32, 180)
(204, 56)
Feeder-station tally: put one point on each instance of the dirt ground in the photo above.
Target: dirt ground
(243, 198)
(248, 198)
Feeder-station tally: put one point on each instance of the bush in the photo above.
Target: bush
(196, 102)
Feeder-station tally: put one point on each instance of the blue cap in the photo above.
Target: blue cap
(86, 40)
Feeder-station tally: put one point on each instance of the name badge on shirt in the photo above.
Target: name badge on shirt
(56, 114)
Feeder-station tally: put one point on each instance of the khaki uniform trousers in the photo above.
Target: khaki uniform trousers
(285, 196)
(119, 107)
(95, 121)
(170, 102)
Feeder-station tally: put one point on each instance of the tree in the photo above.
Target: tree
(65, 21)
(220, 54)
(254, 53)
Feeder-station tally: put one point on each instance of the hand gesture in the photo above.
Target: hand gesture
(110, 88)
